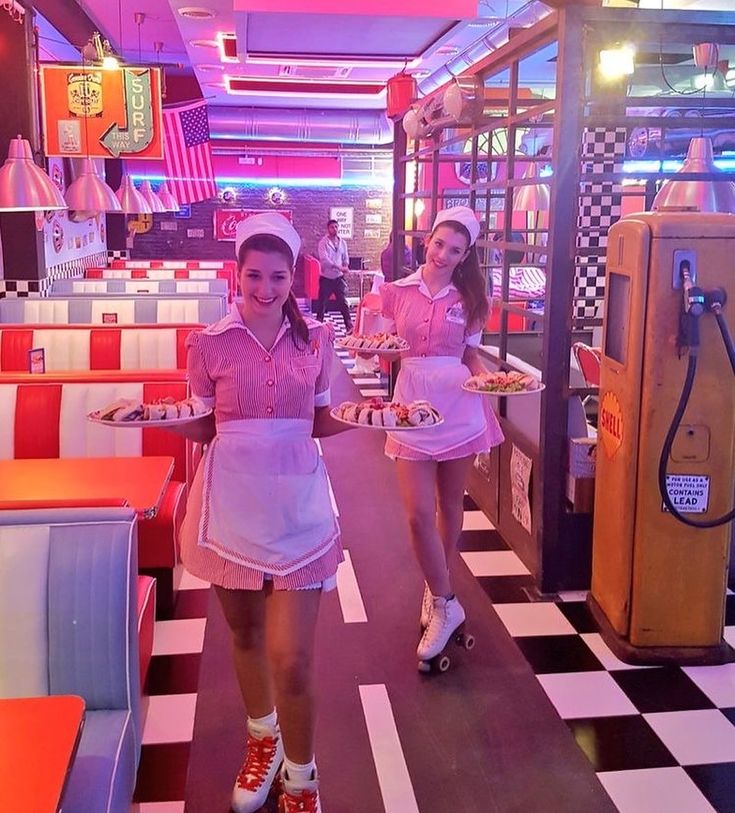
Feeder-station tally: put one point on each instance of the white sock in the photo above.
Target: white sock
(299, 774)
(263, 726)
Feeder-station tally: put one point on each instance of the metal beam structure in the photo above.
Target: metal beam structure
(558, 549)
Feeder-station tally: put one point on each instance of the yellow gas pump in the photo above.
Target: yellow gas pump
(666, 449)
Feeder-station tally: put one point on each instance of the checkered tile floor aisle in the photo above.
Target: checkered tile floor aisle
(170, 702)
(369, 383)
(661, 739)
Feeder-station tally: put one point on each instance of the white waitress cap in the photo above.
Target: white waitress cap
(271, 223)
(460, 214)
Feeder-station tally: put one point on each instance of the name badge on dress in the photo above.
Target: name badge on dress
(456, 314)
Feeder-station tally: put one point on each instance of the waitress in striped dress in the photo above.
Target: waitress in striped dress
(440, 310)
(260, 524)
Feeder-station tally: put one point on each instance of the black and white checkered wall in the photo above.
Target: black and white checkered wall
(12, 288)
(600, 202)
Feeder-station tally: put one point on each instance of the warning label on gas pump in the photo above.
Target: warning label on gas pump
(689, 493)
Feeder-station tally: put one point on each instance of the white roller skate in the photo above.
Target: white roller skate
(426, 602)
(259, 774)
(446, 623)
(303, 798)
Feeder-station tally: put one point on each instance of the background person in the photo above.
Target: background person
(386, 260)
(440, 310)
(259, 523)
(335, 263)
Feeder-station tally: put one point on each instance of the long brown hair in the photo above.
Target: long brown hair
(468, 279)
(270, 244)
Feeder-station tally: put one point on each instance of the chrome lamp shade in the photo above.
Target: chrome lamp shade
(131, 201)
(24, 186)
(697, 196)
(89, 193)
(154, 201)
(167, 199)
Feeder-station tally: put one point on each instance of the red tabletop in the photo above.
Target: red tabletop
(38, 740)
(141, 481)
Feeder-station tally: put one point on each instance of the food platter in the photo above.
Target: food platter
(159, 423)
(386, 428)
(503, 384)
(497, 394)
(129, 412)
(350, 343)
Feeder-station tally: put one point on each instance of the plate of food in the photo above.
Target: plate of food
(387, 415)
(375, 344)
(128, 412)
(503, 383)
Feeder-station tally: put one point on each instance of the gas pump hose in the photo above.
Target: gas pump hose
(671, 435)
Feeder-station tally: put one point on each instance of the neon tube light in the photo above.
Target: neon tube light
(384, 183)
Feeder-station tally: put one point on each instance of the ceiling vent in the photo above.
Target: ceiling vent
(196, 13)
(313, 72)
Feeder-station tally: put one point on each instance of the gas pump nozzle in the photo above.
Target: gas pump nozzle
(693, 306)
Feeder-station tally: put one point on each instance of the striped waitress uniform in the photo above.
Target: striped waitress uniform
(438, 331)
(259, 507)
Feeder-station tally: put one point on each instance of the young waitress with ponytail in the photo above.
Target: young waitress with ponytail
(259, 524)
(440, 310)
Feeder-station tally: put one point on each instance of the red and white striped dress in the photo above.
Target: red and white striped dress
(437, 331)
(232, 372)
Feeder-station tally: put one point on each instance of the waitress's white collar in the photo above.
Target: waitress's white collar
(417, 278)
(233, 320)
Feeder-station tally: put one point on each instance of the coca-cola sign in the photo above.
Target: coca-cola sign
(226, 220)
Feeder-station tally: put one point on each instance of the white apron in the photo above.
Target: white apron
(439, 379)
(265, 497)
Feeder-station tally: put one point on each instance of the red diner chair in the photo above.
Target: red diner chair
(589, 361)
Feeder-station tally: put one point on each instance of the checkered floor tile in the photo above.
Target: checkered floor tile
(661, 739)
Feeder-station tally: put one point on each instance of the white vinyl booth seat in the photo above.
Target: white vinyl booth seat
(68, 625)
(121, 309)
(112, 287)
(99, 347)
(159, 273)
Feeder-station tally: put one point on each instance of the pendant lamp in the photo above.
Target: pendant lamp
(533, 197)
(24, 186)
(167, 198)
(89, 193)
(154, 201)
(131, 201)
(697, 196)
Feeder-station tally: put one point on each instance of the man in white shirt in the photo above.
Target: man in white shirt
(335, 263)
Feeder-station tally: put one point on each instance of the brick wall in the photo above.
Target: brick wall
(310, 208)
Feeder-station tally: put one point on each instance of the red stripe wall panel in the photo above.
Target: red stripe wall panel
(181, 273)
(93, 273)
(181, 334)
(14, 347)
(138, 273)
(37, 415)
(104, 349)
(159, 441)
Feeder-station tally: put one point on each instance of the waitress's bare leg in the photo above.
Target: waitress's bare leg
(291, 617)
(244, 611)
(451, 480)
(417, 482)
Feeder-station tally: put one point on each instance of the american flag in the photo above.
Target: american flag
(187, 153)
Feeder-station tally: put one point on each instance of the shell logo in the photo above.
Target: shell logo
(611, 424)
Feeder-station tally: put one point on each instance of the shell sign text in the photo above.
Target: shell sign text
(611, 424)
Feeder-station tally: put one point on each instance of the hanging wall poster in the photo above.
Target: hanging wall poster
(344, 215)
(520, 485)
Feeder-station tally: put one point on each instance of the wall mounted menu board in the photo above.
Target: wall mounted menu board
(99, 113)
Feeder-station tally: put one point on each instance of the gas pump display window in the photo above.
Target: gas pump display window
(617, 317)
